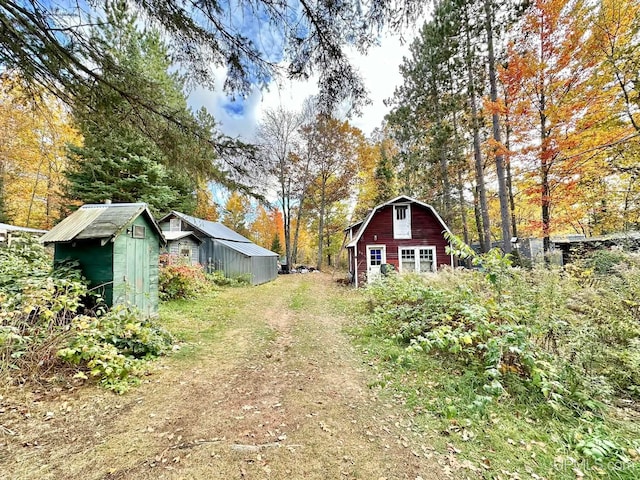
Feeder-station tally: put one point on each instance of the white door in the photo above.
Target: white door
(376, 256)
(401, 221)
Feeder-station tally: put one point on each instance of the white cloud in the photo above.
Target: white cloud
(379, 68)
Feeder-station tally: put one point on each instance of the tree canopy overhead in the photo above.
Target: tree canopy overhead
(254, 39)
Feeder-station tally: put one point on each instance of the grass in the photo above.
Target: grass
(203, 322)
(512, 438)
(300, 298)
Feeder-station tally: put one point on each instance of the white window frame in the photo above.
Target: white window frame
(396, 235)
(416, 252)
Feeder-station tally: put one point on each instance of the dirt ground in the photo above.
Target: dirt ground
(279, 393)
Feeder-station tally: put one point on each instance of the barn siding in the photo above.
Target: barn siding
(426, 230)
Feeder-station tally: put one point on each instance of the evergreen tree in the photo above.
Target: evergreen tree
(275, 245)
(131, 155)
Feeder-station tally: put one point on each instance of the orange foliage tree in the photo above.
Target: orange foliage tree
(560, 111)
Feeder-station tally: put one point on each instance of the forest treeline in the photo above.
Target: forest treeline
(513, 119)
(529, 109)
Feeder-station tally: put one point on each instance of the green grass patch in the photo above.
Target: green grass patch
(300, 298)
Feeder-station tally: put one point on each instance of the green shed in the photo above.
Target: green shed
(118, 248)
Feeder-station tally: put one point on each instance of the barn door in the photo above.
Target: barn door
(376, 256)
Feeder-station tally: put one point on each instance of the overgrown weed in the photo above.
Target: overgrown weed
(45, 324)
(522, 367)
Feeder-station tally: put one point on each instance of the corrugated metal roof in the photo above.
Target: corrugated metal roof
(248, 249)
(14, 228)
(212, 229)
(71, 226)
(178, 235)
(96, 221)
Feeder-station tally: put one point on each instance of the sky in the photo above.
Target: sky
(379, 68)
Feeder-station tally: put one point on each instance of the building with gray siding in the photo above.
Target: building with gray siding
(222, 249)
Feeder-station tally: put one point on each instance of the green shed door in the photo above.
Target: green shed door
(137, 274)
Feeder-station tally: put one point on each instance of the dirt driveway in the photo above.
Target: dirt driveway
(272, 390)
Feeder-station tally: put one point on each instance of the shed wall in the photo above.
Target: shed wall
(135, 269)
(231, 262)
(176, 246)
(264, 269)
(96, 263)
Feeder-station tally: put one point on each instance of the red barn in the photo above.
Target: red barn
(403, 232)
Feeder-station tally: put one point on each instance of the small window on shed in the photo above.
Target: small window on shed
(139, 231)
(174, 225)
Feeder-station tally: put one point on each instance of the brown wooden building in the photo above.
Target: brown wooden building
(402, 232)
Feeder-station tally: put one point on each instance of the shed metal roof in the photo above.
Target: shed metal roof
(610, 237)
(178, 235)
(211, 229)
(5, 227)
(97, 221)
(248, 249)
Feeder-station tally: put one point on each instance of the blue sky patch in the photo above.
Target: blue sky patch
(234, 108)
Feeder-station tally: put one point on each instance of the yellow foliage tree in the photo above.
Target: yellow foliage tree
(235, 213)
(34, 133)
(262, 229)
(205, 205)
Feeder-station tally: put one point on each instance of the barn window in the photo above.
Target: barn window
(417, 259)
(185, 252)
(139, 231)
(407, 260)
(401, 221)
(375, 256)
(426, 257)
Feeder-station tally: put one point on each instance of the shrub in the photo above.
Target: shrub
(40, 322)
(37, 303)
(541, 335)
(178, 279)
(114, 346)
(218, 278)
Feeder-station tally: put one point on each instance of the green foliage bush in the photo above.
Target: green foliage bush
(543, 335)
(180, 280)
(218, 278)
(36, 304)
(547, 356)
(114, 346)
(41, 322)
